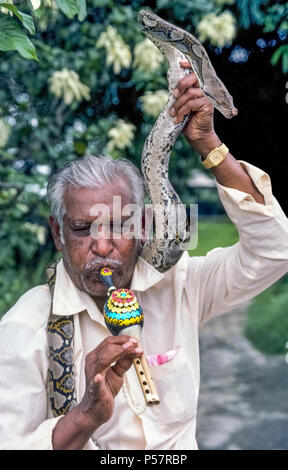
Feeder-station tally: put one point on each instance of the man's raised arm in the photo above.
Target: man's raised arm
(201, 135)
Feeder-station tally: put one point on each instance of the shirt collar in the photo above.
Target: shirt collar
(69, 300)
(144, 276)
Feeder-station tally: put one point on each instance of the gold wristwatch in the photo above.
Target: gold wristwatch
(216, 156)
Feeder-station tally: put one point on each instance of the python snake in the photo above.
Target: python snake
(171, 234)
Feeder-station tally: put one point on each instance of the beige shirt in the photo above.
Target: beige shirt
(176, 304)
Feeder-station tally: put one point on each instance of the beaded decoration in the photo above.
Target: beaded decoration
(121, 309)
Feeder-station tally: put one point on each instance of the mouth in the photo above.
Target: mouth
(98, 278)
(230, 114)
(95, 272)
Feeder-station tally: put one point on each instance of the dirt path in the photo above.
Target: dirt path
(243, 401)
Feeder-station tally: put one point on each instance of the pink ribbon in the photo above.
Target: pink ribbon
(159, 359)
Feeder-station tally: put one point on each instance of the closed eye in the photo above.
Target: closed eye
(82, 231)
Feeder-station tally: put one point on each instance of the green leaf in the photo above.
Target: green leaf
(82, 9)
(13, 38)
(281, 52)
(6, 42)
(25, 19)
(285, 62)
(277, 54)
(69, 7)
(40, 12)
(28, 22)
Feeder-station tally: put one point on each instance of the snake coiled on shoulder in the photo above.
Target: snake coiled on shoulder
(165, 248)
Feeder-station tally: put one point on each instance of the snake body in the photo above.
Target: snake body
(166, 247)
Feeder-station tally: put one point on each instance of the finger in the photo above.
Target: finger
(107, 352)
(191, 93)
(114, 375)
(113, 344)
(113, 352)
(186, 82)
(123, 364)
(120, 368)
(98, 393)
(186, 64)
(191, 106)
(121, 339)
(97, 388)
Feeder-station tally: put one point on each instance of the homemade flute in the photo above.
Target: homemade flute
(124, 315)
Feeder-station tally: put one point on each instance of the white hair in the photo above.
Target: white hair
(92, 172)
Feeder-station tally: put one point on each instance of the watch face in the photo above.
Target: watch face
(216, 157)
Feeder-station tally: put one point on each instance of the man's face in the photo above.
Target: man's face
(89, 240)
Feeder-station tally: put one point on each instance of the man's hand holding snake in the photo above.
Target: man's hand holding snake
(190, 98)
(200, 133)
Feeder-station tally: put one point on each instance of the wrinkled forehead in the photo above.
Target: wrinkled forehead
(84, 202)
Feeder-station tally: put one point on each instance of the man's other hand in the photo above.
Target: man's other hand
(105, 367)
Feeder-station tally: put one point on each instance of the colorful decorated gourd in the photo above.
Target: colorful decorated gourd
(124, 315)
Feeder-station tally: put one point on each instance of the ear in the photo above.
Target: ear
(55, 230)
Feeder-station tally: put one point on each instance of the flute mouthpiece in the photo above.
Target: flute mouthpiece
(107, 279)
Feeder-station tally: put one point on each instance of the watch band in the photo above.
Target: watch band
(216, 156)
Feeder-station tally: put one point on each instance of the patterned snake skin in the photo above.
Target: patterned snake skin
(60, 378)
(165, 250)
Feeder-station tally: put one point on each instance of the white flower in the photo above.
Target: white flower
(22, 207)
(5, 131)
(108, 37)
(154, 102)
(118, 52)
(121, 135)
(147, 56)
(66, 84)
(219, 30)
(35, 4)
(38, 230)
(5, 10)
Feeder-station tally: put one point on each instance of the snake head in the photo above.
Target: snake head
(160, 32)
(222, 100)
(147, 19)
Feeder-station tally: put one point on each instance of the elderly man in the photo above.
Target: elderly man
(106, 414)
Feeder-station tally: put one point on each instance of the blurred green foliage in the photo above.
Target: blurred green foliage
(44, 125)
(267, 319)
(224, 234)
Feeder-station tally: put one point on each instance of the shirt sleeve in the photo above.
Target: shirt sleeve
(26, 422)
(23, 397)
(231, 276)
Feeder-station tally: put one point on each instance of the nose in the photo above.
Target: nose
(101, 246)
